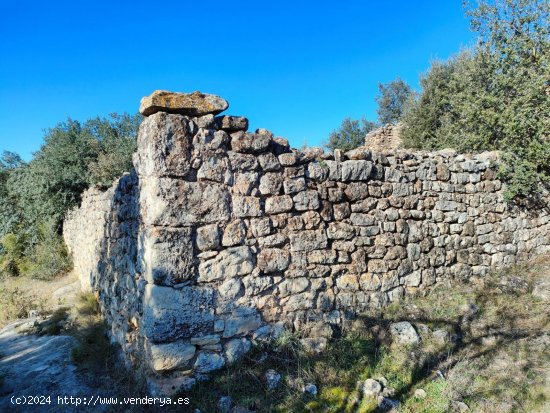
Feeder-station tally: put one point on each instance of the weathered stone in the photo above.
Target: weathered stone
(207, 362)
(306, 200)
(236, 348)
(230, 289)
(404, 333)
(242, 161)
(340, 230)
(249, 142)
(171, 356)
(208, 237)
(273, 260)
(231, 262)
(164, 146)
(214, 169)
(242, 320)
(191, 104)
(287, 159)
(170, 314)
(269, 162)
(231, 123)
(260, 226)
(169, 255)
(174, 202)
(205, 340)
(234, 233)
(293, 286)
(308, 240)
(278, 204)
(271, 183)
(294, 186)
(356, 170)
(246, 206)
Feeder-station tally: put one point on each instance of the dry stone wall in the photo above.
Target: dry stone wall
(221, 237)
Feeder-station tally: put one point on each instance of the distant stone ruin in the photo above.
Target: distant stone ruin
(385, 139)
(221, 237)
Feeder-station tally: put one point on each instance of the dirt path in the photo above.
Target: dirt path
(41, 366)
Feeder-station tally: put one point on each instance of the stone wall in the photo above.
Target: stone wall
(221, 237)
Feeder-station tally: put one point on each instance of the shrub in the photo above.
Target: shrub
(14, 303)
(494, 96)
(350, 135)
(392, 100)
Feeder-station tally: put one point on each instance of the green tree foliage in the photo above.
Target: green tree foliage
(495, 96)
(35, 196)
(350, 135)
(391, 100)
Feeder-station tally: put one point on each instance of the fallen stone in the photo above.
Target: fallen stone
(310, 389)
(420, 393)
(272, 379)
(190, 104)
(225, 403)
(404, 333)
(459, 407)
(314, 345)
(236, 348)
(371, 388)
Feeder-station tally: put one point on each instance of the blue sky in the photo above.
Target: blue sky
(296, 68)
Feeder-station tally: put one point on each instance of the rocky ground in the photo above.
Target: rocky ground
(36, 353)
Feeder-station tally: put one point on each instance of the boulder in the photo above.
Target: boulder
(404, 333)
(371, 388)
(272, 379)
(236, 348)
(190, 104)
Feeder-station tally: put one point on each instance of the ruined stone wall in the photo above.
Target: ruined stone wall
(101, 236)
(228, 235)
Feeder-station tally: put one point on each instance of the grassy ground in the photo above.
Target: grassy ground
(491, 352)
(496, 357)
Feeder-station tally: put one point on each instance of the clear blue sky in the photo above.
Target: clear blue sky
(294, 67)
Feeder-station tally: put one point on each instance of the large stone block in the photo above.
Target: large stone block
(192, 104)
(170, 314)
(164, 146)
(356, 170)
(168, 255)
(171, 356)
(231, 262)
(175, 202)
(242, 320)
